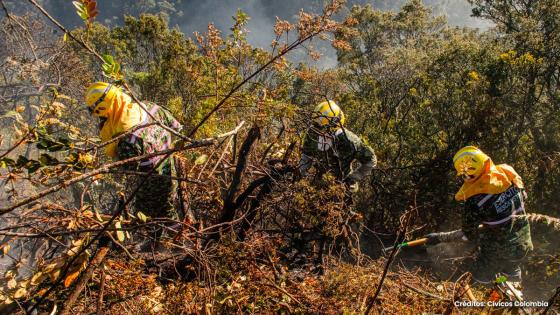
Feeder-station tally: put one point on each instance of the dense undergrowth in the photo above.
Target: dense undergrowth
(263, 240)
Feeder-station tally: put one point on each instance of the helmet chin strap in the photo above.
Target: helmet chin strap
(470, 178)
(102, 121)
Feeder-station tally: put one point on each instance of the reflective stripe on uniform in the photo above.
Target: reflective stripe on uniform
(483, 200)
(509, 217)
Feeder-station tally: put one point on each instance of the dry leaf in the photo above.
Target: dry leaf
(38, 278)
(120, 234)
(54, 275)
(21, 292)
(142, 216)
(98, 216)
(6, 249)
(201, 159)
(12, 284)
(68, 281)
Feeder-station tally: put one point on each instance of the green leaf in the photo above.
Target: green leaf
(30, 165)
(78, 5)
(111, 68)
(53, 147)
(98, 216)
(47, 142)
(12, 113)
(501, 279)
(5, 162)
(142, 216)
(42, 145)
(201, 159)
(46, 159)
(21, 161)
(107, 58)
(33, 166)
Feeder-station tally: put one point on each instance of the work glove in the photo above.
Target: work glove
(353, 187)
(445, 237)
(433, 239)
(352, 184)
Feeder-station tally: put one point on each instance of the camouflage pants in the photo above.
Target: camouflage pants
(495, 257)
(155, 197)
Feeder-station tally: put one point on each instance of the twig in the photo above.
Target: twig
(120, 207)
(95, 262)
(266, 183)
(101, 291)
(180, 179)
(122, 135)
(229, 209)
(226, 149)
(4, 9)
(96, 54)
(286, 50)
(86, 47)
(463, 284)
(128, 254)
(107, 167)
(428, 294)
(552, 301)
(273, 284)
(159, 123)
(405, 219)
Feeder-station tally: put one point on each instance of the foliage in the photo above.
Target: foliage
(414, 88)
(427, 90)
(86, 10)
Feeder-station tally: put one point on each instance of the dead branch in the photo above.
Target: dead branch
(101, 291)
(121, 205)
(117, 138)
(428, 294)
(405, 220)
(180, 179)
(86, 276)
(551, 301)
(106, 168)
(230, 207)
(460, 288)
(77, 40)
(266, 183)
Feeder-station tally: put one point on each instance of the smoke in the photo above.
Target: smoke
(194, 15)
(263, 13)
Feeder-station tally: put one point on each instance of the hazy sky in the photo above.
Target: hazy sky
(194, 15)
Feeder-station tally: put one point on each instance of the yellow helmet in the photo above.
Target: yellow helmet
(328, 114)
(469, 162)
(99, 98)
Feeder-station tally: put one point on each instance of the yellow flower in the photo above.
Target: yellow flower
(85, 159)
(474, 76)
(508, 56)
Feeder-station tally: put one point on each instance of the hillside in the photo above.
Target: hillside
(178, 185)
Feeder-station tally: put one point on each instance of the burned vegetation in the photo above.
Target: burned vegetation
(243, 229)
